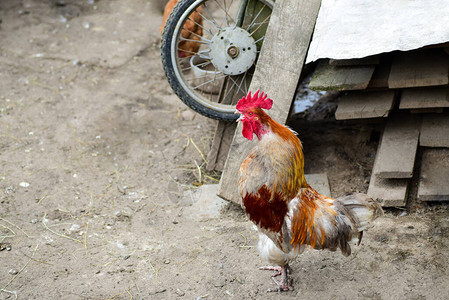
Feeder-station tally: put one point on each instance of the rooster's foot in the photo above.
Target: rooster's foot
(285, 284)
(272, 268)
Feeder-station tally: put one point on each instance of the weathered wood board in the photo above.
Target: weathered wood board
(370, 60)
(435, 131)
(379, 80)
(277, 73)
(360, 105)
(389, 192)
(328, 78)
(433, 182)
(426, 110)
(220, 145)
(429, 97)
(395, 158)
(419, 68)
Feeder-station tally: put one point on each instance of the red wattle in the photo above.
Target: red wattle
(247, 130)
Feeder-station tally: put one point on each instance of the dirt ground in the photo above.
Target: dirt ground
(96, 152)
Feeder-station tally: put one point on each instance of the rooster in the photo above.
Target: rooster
(290, 215)
(192, 30)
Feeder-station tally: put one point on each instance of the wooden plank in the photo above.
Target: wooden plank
(424, 98)
(277, 73)
(419, 68)
(435, 131)
(328, 78)
(220, 145)
(360, 105)
(389, 192)
(426, 110)
(433, 182)
(379, 80)
(369, 60)
(396, 156)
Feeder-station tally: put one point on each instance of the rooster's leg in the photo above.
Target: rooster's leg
(285, 284)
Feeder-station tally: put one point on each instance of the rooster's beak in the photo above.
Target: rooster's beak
(241, 116)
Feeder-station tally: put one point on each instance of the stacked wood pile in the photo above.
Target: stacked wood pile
(409, 91)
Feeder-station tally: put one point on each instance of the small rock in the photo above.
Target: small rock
(10, 190)
(74, 227)
(167, 261)
(13, 272)
(5, 246)
(121, 245)
(24, 184)
(188, 115)
(158, 291)
(180, 293)
(86, 25)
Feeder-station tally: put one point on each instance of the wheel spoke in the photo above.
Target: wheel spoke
(260, 40)
(230, 89)
(226, 12)
(241, 83)
(201, 26)
(264, 22)
(236, 84)
(195, 41)
(198, 65)
(213, 22)
(187, 51)
(216, 78)
(255, 18)
(197, 35)
(201, 77)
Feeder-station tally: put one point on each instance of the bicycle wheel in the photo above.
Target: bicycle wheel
(209, 49)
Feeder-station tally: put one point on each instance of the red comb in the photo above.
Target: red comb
(254, 101)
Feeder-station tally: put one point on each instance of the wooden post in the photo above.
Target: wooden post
(277, 73)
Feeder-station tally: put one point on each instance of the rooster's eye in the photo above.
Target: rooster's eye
(250, 114)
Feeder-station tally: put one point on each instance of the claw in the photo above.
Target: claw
(285, 284)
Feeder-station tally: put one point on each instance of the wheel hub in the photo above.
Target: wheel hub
(233, 51)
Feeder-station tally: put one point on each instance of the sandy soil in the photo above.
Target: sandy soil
(96, 152)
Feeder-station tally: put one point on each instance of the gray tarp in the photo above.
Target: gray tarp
(358, 28)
